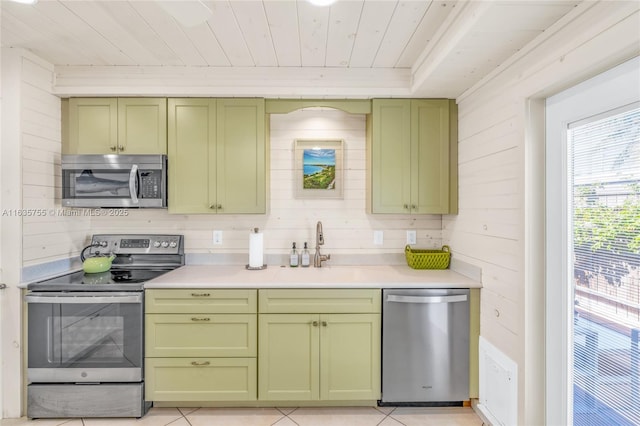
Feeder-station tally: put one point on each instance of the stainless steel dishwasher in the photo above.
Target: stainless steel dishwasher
(425, 346)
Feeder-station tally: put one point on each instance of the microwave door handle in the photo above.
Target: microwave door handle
(133, 183)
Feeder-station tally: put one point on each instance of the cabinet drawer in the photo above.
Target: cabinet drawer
(200, 379)
(319, 301)
(174, 301)
(201, 335)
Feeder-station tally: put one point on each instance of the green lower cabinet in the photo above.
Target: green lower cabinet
(350, 357)
(200, 379)
(308, 357)
(289, 359)
(195, 335)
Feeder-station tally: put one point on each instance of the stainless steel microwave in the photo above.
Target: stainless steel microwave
(114, 181)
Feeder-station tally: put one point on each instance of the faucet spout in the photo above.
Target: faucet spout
(317, 257)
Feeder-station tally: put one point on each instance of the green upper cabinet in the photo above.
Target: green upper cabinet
(412, 158)
(115, 126)
(217, 156)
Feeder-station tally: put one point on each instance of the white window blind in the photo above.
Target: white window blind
(604, 159)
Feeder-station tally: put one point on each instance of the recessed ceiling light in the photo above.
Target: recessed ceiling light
(25, 1)
(322, 2)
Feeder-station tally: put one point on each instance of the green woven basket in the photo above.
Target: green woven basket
(428, 259)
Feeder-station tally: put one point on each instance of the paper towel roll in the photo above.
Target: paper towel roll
(256, 257)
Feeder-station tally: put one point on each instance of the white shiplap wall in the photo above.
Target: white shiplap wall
(500, 223)
(47, 235)
(348, 229)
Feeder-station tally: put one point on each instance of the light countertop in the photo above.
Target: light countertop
(237, 276)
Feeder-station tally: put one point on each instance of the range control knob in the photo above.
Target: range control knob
(165, 244)
(173, 244)
(156, 244)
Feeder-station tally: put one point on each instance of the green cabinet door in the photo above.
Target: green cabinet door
(430, 156)
(115, 126)
(411, 156)
(240, 166)
(92, 126)
(217, 156)
(350, 357)
(191, 151)
(390, 156)
(288, 362)
(142, 126)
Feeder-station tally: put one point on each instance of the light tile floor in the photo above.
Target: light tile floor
(345, 416)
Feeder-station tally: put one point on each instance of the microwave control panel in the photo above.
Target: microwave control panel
(151, 184)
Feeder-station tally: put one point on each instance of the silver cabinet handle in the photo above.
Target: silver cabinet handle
(325, 324)
(200, 364)
(200, 319)
(200, 294)
(426, 299)
(314, 323)
(113, 148)
(120, 147)
(3, 286)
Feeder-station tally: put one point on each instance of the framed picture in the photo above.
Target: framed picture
(318, 168)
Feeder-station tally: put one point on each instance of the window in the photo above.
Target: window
(592, 173)
(604, 158)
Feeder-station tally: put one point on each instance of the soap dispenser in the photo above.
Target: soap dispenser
(293, 258)
(304, 257)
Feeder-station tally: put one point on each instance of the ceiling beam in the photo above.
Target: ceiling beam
(457, 25)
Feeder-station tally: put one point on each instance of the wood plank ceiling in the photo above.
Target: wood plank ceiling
(286, 48)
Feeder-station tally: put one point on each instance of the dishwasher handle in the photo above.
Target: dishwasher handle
(427, 299)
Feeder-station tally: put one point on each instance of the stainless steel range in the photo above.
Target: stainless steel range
(86, 331)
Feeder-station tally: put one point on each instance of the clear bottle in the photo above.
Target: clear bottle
(293, 257)
(304, 257)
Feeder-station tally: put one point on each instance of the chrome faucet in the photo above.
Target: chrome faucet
(317, 257)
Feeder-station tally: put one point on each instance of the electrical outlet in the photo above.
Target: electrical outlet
(217, 237)
(411, 237)
(378, 237)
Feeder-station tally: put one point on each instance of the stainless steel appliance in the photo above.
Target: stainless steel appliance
(85, 354)
(425, 346)
(114, 181)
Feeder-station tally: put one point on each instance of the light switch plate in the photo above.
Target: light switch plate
(411, 237)
(378, 237)
(217, 237)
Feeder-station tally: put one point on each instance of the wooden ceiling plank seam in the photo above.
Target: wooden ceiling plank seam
(282, 19)
(406, 18)
(137, 27)
(373, 23)
(207, 44)
(13, 30)
(226, 30)
(171, 32)
(434, 17)
(111, 31)
(313, 24)
(343, 25)
(252, 20)
(36, 20)
(87, 33)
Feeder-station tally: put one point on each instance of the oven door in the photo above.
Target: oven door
(85, 337)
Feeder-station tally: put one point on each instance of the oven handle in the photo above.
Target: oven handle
(83, 298)
(133, 183)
